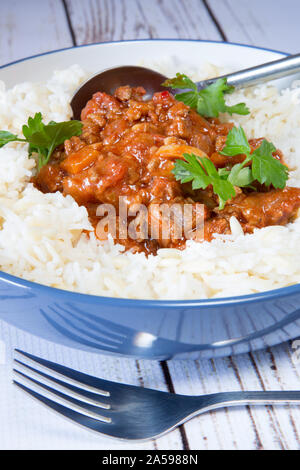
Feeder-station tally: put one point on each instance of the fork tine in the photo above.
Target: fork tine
(103, 414)
(103, 385)
(84, 420)
(101, 400)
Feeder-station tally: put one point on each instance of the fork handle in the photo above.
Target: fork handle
(220, 400)
(261, 73)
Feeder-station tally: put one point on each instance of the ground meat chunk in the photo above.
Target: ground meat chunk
(257, 210)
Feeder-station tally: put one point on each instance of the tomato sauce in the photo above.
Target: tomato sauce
(127, 149)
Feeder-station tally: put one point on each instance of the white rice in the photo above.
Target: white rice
(42, 239)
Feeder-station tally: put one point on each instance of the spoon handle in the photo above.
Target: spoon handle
(261, 73)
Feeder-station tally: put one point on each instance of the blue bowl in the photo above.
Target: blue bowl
(151, 329)
(138, 328)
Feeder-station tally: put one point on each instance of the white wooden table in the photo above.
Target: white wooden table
(32, 27)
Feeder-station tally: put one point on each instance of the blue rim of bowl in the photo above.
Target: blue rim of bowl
(142, 303)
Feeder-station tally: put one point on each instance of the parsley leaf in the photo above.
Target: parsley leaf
(239, 108)
(202, 172)
(35, 124)
(6, 137)
(180, 81)
(236, 142)
(265, 168)
(190, 98)
(43, 139)
(240, 176)
(208, 102)
(52, 135)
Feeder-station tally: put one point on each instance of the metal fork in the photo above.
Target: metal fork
(126, 411)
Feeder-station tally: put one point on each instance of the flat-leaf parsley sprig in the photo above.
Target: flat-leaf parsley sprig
(210, 101)
(43, 138)
(201, 171)
(264, 167)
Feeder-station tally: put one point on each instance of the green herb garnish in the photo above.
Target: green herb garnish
(265, 168)
(208, 102)
(43, 138)
(201, 171)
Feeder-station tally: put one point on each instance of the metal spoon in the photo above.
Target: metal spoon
(132, 75)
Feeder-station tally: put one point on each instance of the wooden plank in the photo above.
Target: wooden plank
(218, 430)
(276, 371)
(32, 27)
(244, 427)
(268, 23)
(113, 20)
